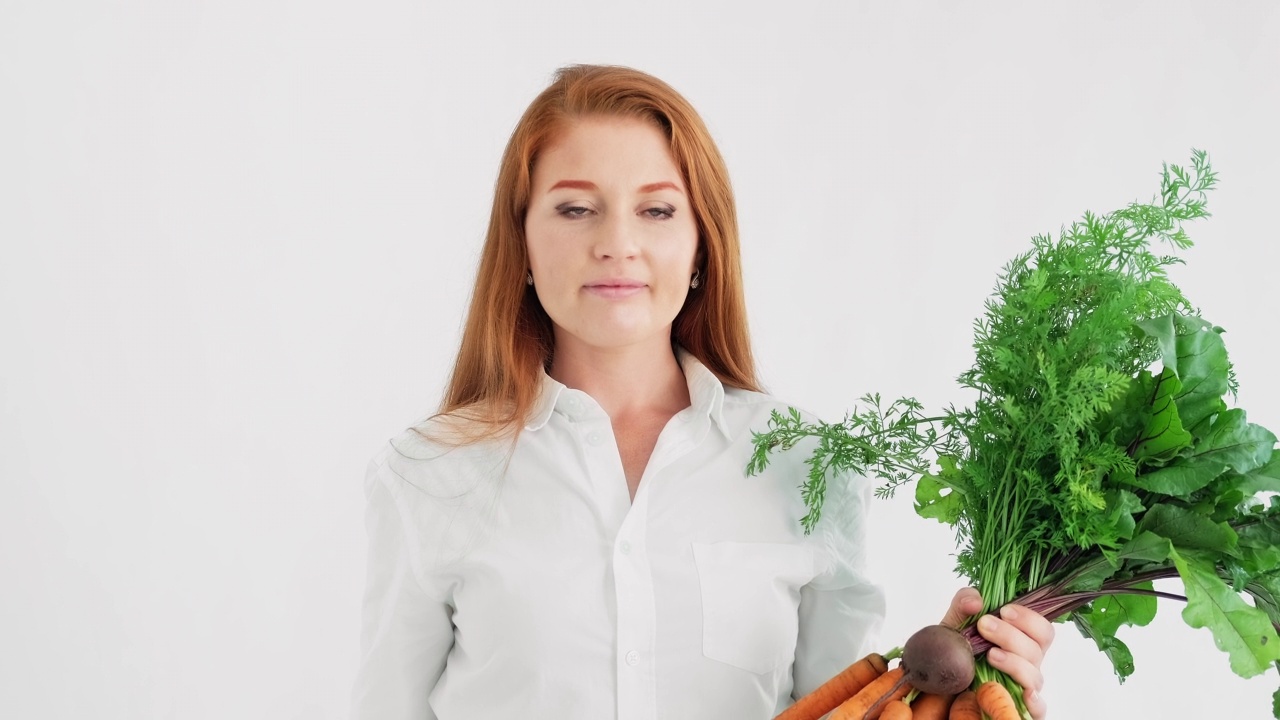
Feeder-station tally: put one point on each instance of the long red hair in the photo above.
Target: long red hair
(507, 341)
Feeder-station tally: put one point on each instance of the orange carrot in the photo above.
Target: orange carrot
(996, 701)
(870, 700)
(931, 707)
(965, 707)
(831, 693)
(897, 710)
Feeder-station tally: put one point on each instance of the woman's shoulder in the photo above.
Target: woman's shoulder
(441, 456)
(444, 493)
(753, 410)
(847, 489)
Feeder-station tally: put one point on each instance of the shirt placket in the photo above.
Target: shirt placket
(635, 646)
(637, 614)
(633, 584)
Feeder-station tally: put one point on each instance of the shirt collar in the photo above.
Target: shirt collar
(546, 403)
(706, 392)
(706, 395)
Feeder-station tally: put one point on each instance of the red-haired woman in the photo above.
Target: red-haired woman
(572, 535)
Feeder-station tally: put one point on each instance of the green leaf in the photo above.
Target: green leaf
(1122, 506)
(1259, 546)
(1144, 547)
(1116, 651)
(1092, 576)
(1130, 412)
(1269, 583)
(1203, 369)
(1242, 631)
(1230, 442)
(1179, 479)
(1221, 500)
(1264, 601)
(938, 500)
(1229, 568)
(1109, 612)
(1187, 529)
(1163, 436)
(1275, 704)
(1161, 328)
(1242, 445)
(1263, 479)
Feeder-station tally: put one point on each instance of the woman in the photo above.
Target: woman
(573, 534)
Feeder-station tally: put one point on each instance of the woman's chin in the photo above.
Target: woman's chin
(622, 337)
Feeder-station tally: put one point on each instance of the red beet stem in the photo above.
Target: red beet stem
(1048, 602)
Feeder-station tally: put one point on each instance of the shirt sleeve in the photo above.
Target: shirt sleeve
(841, 610)
(406, 632)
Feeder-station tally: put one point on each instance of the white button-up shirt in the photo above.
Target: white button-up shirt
(526, 583)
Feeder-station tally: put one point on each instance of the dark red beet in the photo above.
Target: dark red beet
(938, 660)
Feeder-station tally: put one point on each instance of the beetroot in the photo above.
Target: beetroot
(939, 660)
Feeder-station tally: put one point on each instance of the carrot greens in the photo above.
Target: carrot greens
(1100, 455)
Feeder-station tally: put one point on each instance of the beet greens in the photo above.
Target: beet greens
(1100, 455)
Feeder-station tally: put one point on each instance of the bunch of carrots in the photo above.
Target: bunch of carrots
(870, 689)
(1100, 456)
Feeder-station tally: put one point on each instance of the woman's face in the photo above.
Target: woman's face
(611, 235)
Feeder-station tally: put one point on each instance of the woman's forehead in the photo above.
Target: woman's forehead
(612, 149)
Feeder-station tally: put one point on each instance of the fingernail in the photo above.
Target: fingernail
(996, 654)
(1007, 612)
(1031, 696)
(986, 622)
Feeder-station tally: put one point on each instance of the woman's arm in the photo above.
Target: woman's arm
(406, 632)
(836, 628)
(841, 610)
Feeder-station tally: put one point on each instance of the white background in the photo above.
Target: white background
(238, 238)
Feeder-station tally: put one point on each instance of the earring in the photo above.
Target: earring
(696, 281)
(528, 278)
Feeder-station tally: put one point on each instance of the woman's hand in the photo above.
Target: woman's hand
(1021, 636)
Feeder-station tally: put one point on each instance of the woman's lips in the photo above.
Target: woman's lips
(614, 291)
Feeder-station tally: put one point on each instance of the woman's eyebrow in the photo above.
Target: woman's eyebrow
(654, 187)
(576, 184)
(588, 185)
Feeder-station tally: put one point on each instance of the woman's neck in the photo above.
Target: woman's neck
(625, 381)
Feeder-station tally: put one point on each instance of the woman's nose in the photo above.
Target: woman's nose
(617, 237)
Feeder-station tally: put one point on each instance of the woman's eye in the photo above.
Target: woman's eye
(573, 211)
(660, 213)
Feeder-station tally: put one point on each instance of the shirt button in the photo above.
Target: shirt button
(633, 658)
(625, 547)
(594, 438)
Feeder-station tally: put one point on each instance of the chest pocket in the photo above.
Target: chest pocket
(750, 601)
